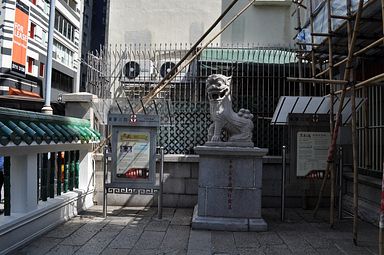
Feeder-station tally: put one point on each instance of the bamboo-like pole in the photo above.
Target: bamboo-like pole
(370, 82)
(331, 111)
(378, 42)
(316, 81)
(313, 63)
(331, 150)
(163, 83)
(354, 165)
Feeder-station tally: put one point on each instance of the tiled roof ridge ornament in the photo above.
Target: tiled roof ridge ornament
(239, 126)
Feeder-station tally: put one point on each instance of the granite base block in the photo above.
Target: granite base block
(227, 224)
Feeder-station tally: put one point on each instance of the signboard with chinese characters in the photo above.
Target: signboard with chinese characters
(133, 150)
(312, 152)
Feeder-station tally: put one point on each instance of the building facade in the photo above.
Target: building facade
(23, 42)
(266, 23)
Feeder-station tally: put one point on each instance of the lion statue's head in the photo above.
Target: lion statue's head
(218, 86)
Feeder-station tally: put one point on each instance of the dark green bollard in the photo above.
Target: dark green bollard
(71, 170)
(44, 177)
(52, 162)
(66, 171)
(59, 168)
(77, 169)
(7, 186)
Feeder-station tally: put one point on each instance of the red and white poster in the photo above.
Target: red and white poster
(20, 38)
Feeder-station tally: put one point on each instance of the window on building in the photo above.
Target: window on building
(62, 54)
(44, 37)
(61, 81)
(32, 31)
(65, 27)
(41, 69)
(30, 64)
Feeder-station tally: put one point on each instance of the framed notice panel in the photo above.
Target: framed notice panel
(133, 150)
(312, 151)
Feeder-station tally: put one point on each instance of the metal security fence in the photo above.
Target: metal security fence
(128, 73)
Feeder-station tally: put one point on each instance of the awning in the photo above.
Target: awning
(248, 55)
(18, 126)
(311, 105)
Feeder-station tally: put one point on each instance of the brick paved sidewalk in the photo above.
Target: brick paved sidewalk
(137, 231)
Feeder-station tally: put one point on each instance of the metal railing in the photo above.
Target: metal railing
(128, 73)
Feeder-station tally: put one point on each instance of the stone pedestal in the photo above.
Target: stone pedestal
(230, 185)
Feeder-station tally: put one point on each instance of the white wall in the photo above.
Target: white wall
(184, 21)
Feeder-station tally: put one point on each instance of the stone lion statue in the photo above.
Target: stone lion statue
(239, 126)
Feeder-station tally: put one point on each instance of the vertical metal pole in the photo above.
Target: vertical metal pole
(52, 175)
(105, 160)
(7, 186)
(381, 222)
(77, 169)
(284, 157)
(48, 67)
(161, 177)
(44, 177)
(66, 170)
(59, 167)
(340, 183)
(71, 170)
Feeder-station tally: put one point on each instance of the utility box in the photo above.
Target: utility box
(133, 150)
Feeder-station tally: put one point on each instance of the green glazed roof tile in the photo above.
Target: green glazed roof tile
(17, 126)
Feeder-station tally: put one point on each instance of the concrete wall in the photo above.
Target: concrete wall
(175, 21)
(181, 182)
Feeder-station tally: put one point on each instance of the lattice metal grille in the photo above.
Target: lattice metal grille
(258, 80)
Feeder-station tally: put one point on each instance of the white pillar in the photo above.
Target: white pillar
(23, 183)
(86, 178)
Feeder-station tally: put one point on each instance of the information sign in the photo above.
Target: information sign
(312, 151)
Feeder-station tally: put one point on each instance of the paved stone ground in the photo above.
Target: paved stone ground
(137, 231)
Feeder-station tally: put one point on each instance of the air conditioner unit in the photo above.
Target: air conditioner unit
(165, 66)
(138, 70)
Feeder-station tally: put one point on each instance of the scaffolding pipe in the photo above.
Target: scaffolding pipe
(318, 81)
(331, 150)
(357, 53)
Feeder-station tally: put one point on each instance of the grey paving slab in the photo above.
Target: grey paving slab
(139, 232)
(112, 251)
(269, 238)
(296, 243)
(176, 238)
(40, 246)
(63, 250)
(250, 251)
(330, 251)
(223, 242)
(157, 225)
(281, 249)
(86, 232)
(182, 217)
(149, 240)
(98, 242)
(198, 252)
(347, 247)
(126, 239)
(67, 228)
(200, 240)
(145, 252)
(246, 239)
